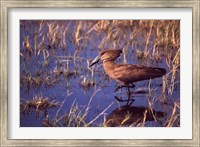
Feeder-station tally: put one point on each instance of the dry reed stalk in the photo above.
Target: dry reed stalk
(136, 123)
(147, 38)
(125, 55)
(77, 33)
(173, 33)
(35, 42)
(172, 117)
(164, 86)
(50, 32)
(91, 98)
(175, 65)
(144, 118)
(126, 118)
(27, 44)
(149, 101)
(61, 107)
(166, 34)
(93, 27)
(102, 113)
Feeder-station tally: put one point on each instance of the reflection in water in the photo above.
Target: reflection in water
(132, 116)
(130, 95)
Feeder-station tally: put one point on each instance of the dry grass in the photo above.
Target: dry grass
(38, 104)
(76, 117)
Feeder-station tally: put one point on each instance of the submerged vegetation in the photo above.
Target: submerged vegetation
(38, 104)
(57, 82)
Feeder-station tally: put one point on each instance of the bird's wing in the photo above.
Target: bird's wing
(125, 73)
(131, 73)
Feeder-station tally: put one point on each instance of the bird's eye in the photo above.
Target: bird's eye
(102, 53)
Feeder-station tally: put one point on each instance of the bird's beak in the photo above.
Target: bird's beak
(96, 60)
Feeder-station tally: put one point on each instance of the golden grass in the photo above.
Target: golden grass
(38, 104)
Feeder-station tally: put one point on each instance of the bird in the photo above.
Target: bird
(126, 74)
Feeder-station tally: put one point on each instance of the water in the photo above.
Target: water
(56, 67)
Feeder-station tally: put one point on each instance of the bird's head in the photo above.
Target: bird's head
(107, 55)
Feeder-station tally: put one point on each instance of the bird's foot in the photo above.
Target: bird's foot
(129, 101)
(122, 86)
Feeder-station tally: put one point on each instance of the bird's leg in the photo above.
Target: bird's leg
(129, 94)
(119, 87)
(121, 100)
(132, 100)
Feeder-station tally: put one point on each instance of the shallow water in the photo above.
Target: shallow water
(64, 75)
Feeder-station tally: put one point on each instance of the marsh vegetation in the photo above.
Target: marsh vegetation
(59, 89)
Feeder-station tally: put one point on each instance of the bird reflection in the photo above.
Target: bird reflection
(132, 116)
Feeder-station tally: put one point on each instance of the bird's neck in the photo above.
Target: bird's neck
(109, 66)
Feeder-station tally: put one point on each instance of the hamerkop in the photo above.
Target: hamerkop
(126, 73)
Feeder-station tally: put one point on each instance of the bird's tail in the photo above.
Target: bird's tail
(161, 71)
